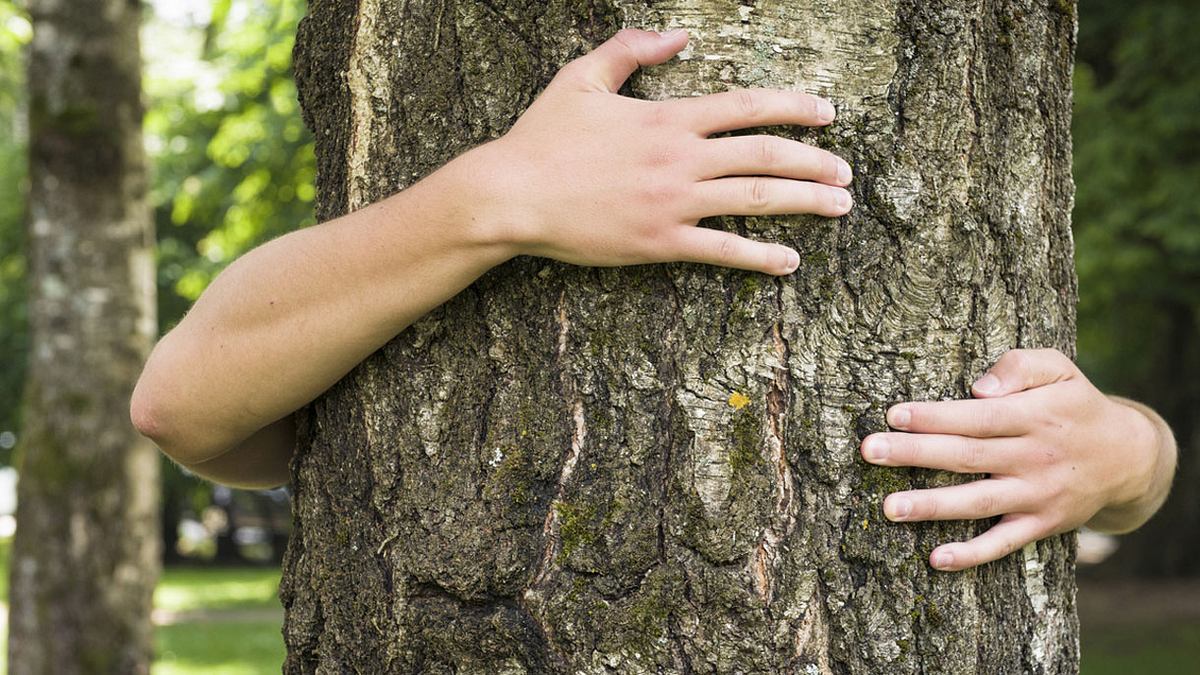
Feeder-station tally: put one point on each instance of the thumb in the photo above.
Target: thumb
(1021, 369)
(609, 65)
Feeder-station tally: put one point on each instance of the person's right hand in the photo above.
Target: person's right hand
(590, 177)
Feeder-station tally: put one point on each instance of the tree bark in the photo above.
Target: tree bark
(86, 555)
(655, 469)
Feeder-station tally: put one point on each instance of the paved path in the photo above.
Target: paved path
(165, 617)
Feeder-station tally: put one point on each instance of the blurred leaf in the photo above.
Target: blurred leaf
(232, 175)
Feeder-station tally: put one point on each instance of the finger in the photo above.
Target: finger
(1021, 369)
(980, 418)
(608, 66)
(764, 195)
(772, 156)
(1012, 533)
(970, 501)
(961, 454)
(745, 108)
(714, 247)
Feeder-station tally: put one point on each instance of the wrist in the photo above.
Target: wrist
(473, 184)
(1144, 446)
(1150, 469)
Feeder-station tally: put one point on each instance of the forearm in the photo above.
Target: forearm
(287, 320)
(579, 178)
(260, 461)
(1151, 491)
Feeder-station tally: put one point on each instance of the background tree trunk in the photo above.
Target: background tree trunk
(86, 556)
(552, 472)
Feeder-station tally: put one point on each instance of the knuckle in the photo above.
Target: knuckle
(1016, 360)
(971, 456)
(1063, 361)
(625, 37)
(658, 115)
(767, 151)
(658, 194)
(660, 156)
(748, 104)
(758, 194)
(1049, 454)
(726, 249)
(1008, 545)
(571, 71)
(984, 504)
(992, 418)
(1045, 418)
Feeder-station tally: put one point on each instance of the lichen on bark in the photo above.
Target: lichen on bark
(655, 469)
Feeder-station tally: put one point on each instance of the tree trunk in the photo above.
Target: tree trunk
(86, 554)
(655, 469)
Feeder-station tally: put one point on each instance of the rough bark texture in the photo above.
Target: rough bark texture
(656, 469)
(85, 559)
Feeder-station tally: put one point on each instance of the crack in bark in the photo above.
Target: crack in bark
(766, 554)
(550, 527)
(812, 638)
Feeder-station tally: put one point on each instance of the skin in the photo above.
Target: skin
(1055, 452)
(586, 176)
(589, 177)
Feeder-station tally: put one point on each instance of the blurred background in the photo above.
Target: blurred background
(233, 166)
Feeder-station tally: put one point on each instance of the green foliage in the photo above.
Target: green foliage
(234, 162)
(1137, 168)
(15, 32)
(1137, 227)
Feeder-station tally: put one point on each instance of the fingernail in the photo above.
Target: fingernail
(845, 174)
(793, 261)
(843, 200)
(900, 508)
(899, 417)
(988, 384)
(673, 33)
(825, 111)
(875, 448)
(943, 560)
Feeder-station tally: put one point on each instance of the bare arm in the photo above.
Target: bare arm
(579, 178)
(1152, 465)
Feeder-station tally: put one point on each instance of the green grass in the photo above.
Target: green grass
(227, 648)
(211, 645)
(193, 588)
(249, 645)
(231, 646)
(1161, 648)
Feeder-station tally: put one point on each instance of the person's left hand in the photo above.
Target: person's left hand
(1055, 451)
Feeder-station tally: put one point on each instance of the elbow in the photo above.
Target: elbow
(153, 417)
(145, 414)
